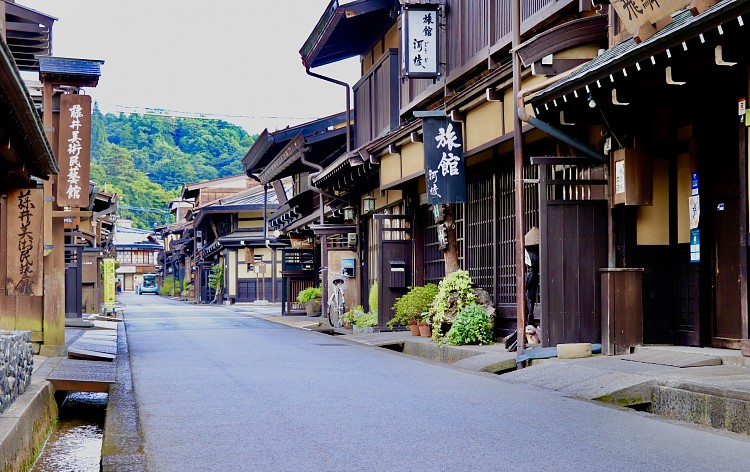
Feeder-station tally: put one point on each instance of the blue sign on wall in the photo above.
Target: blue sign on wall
(695, 245)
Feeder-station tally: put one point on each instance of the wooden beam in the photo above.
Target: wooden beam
(2, 22)
(565, 160)
(72, 214)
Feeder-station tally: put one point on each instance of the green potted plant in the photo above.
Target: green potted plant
(455, 286)
(409, 307)
(312, 298)
(423, 325)
(364, 322)
(348, 318)
(471, 326)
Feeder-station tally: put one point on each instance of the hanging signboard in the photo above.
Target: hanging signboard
(302, 243)
(25, 245)
(636, 13)
(444, 160)
(73, 152)
(108, 286)
(420, 41)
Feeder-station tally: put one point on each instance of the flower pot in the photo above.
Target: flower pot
(313, 307)
(424, 330)
(414, 328)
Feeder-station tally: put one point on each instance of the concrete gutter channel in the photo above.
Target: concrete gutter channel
(717, 396)
(25, 425)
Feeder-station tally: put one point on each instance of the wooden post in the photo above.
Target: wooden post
(53, 324)
(324, 273)
(520, 206)
(451, 251)
(2, 21)
(743, 210)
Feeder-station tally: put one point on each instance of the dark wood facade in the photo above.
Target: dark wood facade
(668, 106)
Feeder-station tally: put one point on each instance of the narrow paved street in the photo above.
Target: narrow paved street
(220, 390)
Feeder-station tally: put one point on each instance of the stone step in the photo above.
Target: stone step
(722, 407)
(674, 358)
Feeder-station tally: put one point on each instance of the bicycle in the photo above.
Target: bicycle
(336, 301)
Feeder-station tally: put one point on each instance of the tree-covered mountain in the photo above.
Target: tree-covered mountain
(146, 159)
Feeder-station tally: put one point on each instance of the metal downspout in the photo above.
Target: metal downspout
(324, 268)
(546, 127)
(348, 103)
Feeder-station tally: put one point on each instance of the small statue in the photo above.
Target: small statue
(533, 335)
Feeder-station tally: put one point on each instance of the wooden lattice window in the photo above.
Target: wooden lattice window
(506, 227)
(434, 257)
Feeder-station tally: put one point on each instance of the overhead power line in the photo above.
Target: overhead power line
(189, 114)
(132, 208)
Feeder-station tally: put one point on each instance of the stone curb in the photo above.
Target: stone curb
(122, 444)
(24, 426)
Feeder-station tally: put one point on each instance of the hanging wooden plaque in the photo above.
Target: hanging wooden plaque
(73, 153)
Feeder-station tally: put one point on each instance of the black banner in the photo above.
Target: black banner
(444, 167)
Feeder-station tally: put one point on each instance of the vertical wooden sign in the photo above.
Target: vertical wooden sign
(74, 151)
(25, 242)
(636, 13)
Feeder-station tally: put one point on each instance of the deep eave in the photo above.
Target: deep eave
(316, 148)
(20, 122)
(627, 54)
(572, 33)
(345, 31)
(269, 144)
(70, 71)
(29, 34)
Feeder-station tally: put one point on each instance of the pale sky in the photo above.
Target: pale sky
(218, 57)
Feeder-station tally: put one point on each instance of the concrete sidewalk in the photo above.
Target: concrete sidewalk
(699, 385)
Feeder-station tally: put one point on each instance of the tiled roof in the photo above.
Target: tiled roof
(69, 66)
(629, 52)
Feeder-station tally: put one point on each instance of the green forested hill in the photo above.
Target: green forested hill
(146, 159)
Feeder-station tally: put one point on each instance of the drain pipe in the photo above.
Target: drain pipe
(265, 205)
(546, 127)
(348, 104)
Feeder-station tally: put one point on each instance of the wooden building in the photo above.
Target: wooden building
(231, 231)
(669, 110)
(27, 161)
(178, 260)
(310, 218)
(472, 84)
(137, 251)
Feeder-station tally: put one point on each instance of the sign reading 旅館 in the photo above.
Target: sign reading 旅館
(420, 41)
(444, 160)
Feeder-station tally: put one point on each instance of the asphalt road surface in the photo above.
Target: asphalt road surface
(220, 390)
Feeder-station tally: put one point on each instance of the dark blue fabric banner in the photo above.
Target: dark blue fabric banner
(444, 167)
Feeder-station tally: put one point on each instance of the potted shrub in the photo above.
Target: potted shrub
(312, 298)
(348, 318)
(471, 326)
(423, 325)
(410, 307)
(364, 322)
(455, 291)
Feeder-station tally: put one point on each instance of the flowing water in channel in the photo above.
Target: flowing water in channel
(75, 444)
